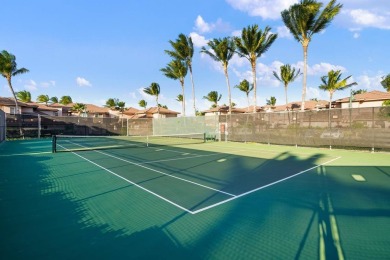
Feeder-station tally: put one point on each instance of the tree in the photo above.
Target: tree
(287, 75)
(386, 82)
(271, 101)
(244, 86)
(154, 90)
(333, 82)
(80, 108)
(54, 99)
(213, 97)
(112, 103)
(222, 51)
(180, 99)
(253, 43)
(359, 91)
(43, 99)
(163, 106)
(183, 49)
(177, 70)
(8, 69)
(120, 106)
(65, 100)
(142, 103)
(24, 96)
(305, 19)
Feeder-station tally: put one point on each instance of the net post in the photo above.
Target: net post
(54, 144)
(204, 137)
(147, 141)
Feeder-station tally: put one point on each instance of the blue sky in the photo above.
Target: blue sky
(93, 50)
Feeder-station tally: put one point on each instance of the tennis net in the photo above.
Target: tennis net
(63, 143)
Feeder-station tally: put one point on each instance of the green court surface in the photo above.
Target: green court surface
(216, 200)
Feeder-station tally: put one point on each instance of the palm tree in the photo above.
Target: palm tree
(180, 99)
(183, 49)
(177, 70)
(386, 82)
(65, 100)
(271, 101)
(142, 103)
(112, 103)
(222, 51)
(213, 97)
(79, 108)
(333, 82)
(54, 99)
(358, 91)
(253, 43)
(8, 69)
(120, 106)
(43, 99)
(154, 90)
(24, 96)
(304, 20)
(287, 75)
(244, 86)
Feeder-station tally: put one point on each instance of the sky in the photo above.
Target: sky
(93, 50)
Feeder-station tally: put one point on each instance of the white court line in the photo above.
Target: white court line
(262, 187)
(166, 174)
(135, 184)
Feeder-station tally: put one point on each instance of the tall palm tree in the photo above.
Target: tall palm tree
(43, 99)
(65, 100)
(120, 106)
(24, 96)
(386, 82)
(8, 69)
(142, 103)
(183, 49)
(180, 99)
(177, 70)
(244, 86)
(222, 51)
(154, 90)
(358, 91)
(251, 45)
(287, 75)
(213, 97)
(306, 19)
(112, 103)
(54, 99)
(271, 101)
(333, 82)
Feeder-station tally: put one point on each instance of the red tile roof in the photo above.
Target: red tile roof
(368, 96)
(154, 110)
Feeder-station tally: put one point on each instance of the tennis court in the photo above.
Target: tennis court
(191, 199)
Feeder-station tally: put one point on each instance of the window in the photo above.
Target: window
(13, 110)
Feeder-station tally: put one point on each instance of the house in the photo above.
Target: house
(32, 108)
(155, 112)
(131, 112)
(369, 99)
(223, 110)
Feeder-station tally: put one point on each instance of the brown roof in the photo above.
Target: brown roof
(131, 111)
(95, 109)
(368, 96)
(6, 101)
(61, 105)
(154, 110)
(44, 107)
(225, 109)
(309, 104)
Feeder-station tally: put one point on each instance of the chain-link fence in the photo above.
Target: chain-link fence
(355, 127)
(2, 126)
(358, 127)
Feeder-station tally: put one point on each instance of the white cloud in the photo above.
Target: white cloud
(319, 69)
(48, 84)
(356, 35)
(198, 40)
(312, 93)
(370, 18)
(370, 82)
(132, 95)
(267, 9)
(30, 85)
(201, 26)
(82, 82)
(283, 32)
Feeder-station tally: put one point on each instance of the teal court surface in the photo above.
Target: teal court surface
(213, 200)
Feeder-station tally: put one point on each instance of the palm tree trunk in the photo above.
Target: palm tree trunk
(254, 85)
(158, 108)
(285, 93)
(247, 98)
(183, 103)
(304, 45)
(13, 93)
(193, 88)
(228, 86)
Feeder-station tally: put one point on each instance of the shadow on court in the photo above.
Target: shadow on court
(60, 207)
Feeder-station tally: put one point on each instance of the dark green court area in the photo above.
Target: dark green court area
(214, 200)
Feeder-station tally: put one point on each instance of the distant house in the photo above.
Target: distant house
(154, 112)
(369, 99)
(31, 108)
(131, 112)
(223, 110)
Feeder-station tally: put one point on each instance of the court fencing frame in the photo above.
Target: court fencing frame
(3, 126)
(345, 128)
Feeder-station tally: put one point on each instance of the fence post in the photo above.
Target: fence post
(39, 126)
